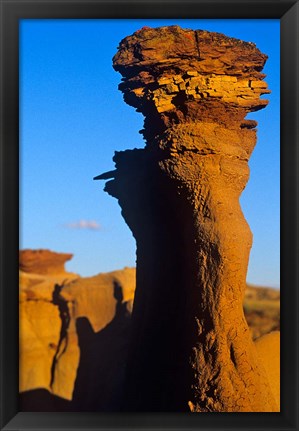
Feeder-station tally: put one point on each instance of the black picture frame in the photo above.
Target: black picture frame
(14, 10)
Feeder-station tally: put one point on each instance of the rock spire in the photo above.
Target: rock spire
(191, 348)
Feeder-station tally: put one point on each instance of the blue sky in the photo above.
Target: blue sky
(73, 118)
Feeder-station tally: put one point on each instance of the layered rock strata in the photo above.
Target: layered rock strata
(191, 348)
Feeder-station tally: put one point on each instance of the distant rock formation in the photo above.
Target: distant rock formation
(191, 348)
(262, 310)
(70, 326)
(96, 339)
(43, 261)
(40, 320)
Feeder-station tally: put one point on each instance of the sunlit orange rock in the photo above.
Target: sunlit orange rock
(59, 313)
(74, 334)
(43, 261)
(191, 347)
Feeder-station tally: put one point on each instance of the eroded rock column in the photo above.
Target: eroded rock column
(191, 348)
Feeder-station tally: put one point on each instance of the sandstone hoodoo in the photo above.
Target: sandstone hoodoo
(191, 348)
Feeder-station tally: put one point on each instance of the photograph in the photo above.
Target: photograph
(149, 215)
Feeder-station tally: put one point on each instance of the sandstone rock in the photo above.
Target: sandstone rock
(65, 364)
(92, 300)
(180, 197)
(39, 338)
(41, 287)
(268, 348)
(51, 305)
(89, 293)
(41, 321)
(43, 261)
(88, 314)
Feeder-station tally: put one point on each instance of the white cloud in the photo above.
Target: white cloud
(84, 224)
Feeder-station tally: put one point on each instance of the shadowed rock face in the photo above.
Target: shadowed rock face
(191, 348)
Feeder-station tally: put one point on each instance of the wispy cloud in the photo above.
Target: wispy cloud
(84, 224)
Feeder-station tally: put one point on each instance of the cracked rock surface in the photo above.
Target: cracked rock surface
(191, 347)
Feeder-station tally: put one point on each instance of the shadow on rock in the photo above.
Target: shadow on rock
(41, 400)
(100, 376)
